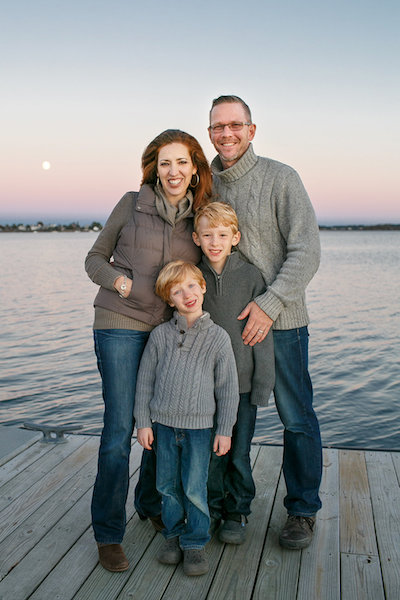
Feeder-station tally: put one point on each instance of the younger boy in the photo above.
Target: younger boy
(186, 375)
(231, 284)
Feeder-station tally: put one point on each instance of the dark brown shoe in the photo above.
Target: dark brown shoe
(297, 532)
(155, 521)
(112, 557)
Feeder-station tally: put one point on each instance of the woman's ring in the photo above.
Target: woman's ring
(261, 331)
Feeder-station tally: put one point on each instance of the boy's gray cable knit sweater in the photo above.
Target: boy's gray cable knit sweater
(186, 375)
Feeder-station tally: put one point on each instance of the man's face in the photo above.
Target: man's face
(230, 145)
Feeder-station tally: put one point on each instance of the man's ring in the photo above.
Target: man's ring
(261, 331)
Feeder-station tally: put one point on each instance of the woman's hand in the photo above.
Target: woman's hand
(145, 437)
(222, 444)
(120, 281)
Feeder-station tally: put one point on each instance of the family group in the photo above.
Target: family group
(199, 317)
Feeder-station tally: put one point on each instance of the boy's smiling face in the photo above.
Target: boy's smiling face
(187, 297)
(215, 242)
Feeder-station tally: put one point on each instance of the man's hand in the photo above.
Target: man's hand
(222, 444)
(257, 326)
(145, 437)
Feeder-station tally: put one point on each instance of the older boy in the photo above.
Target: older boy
(231, 284)
(186, 375)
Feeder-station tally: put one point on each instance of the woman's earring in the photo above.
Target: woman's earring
(197, 180)
(158, 180)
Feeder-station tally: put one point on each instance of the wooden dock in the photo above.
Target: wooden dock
(47, 549)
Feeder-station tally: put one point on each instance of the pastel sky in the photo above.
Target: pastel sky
(86, 85)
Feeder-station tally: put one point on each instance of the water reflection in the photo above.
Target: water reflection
(49, 371)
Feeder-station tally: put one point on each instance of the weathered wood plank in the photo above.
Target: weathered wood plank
(183, 587)
(319, 570)
(385, 495)
(53, 546)
(396, 462)
(277, 577)
(16, 487)
(13, 440)
(357, 532)
(16, 545)
(24, 504)
(31, 571)
(361, 578)
(148, 579)
(72, 570)
(22, 461)
(239, 564)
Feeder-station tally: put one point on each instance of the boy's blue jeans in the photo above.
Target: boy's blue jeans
(183, 456)
(302, 453)
(230, 482)
(118, 354)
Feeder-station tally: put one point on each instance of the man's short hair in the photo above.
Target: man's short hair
(173, 273)
(231, 100)
(218, 213)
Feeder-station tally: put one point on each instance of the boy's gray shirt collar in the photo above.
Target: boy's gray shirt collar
(232, 263)
(203, 322)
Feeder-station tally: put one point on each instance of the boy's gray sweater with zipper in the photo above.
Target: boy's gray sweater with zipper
(226, 296)
(187, 374)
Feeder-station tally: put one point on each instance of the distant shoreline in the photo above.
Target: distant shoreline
(380, 227)
(40, 227)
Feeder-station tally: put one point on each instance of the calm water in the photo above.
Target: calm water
(48, 371)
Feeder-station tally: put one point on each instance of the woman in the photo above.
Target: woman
(145, 231)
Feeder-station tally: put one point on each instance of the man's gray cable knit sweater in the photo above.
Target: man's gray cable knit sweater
(279, 229)
(187, 374)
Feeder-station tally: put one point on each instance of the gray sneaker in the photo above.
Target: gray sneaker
(233, 531)
(195, 562)
(297, 532)
(170, 552)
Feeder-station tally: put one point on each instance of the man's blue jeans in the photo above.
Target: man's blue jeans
(302, 454)
(183, 456)
(230, 482)
(118, 354)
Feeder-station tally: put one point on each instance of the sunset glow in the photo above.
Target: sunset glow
(321, 80)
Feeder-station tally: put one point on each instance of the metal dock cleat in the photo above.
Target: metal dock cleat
(52, 433)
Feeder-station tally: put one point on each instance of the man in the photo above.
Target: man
(280, 236)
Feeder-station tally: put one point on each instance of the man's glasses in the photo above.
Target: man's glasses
(219, 127)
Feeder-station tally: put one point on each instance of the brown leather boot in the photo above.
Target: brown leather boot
(112, 557)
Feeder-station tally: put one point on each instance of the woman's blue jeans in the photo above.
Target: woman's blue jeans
(183, 456)
(118, 354)
(302, 450)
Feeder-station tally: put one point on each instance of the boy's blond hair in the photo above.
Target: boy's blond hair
(173, 273)
(218, 213)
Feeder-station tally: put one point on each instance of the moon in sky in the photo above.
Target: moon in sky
(46, 165)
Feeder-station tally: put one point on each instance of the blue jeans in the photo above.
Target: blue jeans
(183, 456)
(302, 450)
(118, 354)
(230, 482)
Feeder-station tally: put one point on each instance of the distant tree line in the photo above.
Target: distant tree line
(382, 227)
(96, 226)
(41, 227)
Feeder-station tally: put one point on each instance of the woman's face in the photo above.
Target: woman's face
(175, 170)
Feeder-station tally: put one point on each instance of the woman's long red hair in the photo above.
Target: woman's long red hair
(203, 190)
